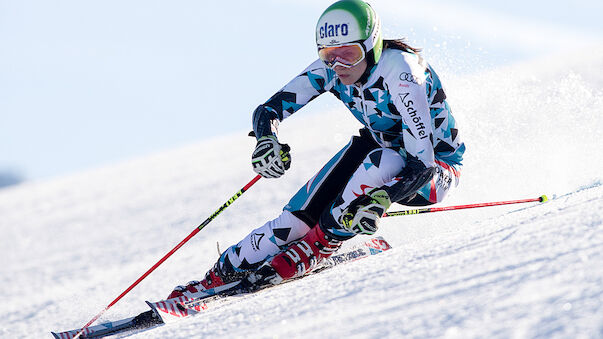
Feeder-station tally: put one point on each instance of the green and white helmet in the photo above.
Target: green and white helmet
(349, 21)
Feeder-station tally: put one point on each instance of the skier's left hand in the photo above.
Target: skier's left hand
(363, 214)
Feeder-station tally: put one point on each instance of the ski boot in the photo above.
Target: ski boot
(299, 258)
(213, 278)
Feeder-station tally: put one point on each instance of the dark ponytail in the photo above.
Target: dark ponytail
(400, 44)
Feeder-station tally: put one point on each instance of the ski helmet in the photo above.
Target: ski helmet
(350, 21)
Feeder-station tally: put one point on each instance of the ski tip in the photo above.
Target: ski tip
(543, 198)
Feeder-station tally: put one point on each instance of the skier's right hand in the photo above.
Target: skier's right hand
(270, 159)
(363, 214)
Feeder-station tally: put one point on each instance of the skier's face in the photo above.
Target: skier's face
(350, 75)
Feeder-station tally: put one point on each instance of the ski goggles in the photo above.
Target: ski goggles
(348, 55)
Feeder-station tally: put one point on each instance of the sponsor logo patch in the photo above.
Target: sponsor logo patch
(255, 240)
(330, 30)
(412, 112)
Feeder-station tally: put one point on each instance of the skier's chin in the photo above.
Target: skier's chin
(347, 79)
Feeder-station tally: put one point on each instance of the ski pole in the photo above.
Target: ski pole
(192, 234)
(542, 198)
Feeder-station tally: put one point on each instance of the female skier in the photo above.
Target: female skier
(408, 152)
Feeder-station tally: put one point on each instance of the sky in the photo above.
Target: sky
(84, 84)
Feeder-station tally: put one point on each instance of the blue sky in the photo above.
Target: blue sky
(88, 83)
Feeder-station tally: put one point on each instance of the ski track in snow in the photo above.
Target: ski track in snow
(71, 245)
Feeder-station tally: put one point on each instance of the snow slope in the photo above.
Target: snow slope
(71, 245)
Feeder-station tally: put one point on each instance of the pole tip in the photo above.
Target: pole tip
(543, 198)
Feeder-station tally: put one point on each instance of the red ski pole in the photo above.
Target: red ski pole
(542, 198)
(193, 233)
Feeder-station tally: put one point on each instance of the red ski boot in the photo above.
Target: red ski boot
(297, 259)
(212, 280)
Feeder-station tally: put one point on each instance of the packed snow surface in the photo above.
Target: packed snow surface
(73, 244)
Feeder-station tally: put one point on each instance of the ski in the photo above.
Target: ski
(185, 306)
(169, 310)
(143, 320)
